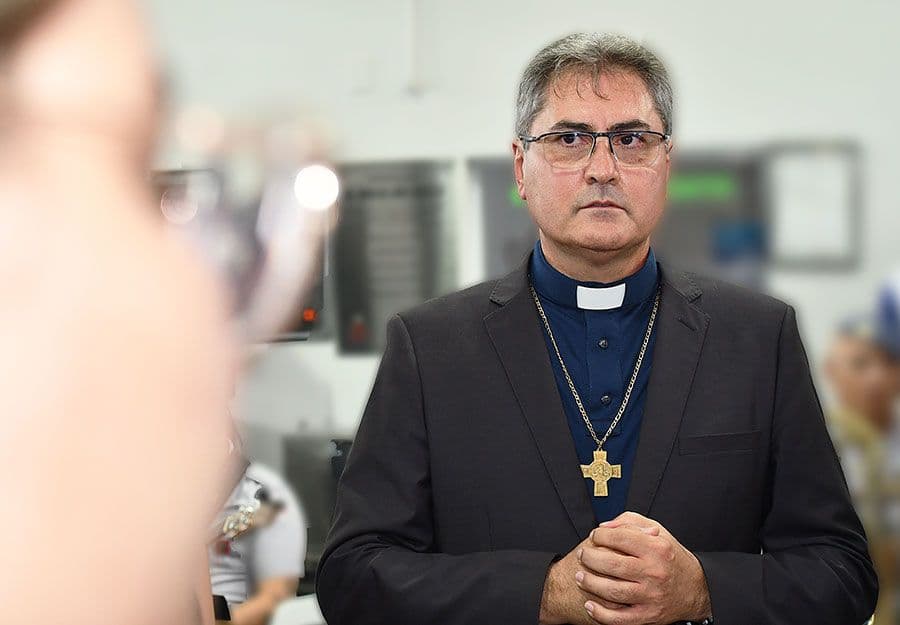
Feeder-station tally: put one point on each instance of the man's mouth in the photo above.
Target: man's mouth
(602, 204)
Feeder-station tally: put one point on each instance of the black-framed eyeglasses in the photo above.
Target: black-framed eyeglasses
(572, 149)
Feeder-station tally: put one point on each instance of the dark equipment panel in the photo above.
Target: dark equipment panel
(390, 252)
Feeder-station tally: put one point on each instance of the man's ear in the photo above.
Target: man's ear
(518, 151)
(669, 153)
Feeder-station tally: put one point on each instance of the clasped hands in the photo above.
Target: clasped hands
(629, 571)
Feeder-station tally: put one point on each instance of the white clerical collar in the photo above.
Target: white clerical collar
(601, 298)
(623, 294)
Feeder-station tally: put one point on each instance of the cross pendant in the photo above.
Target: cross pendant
(601, 472)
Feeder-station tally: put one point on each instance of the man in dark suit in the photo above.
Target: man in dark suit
(595, 438)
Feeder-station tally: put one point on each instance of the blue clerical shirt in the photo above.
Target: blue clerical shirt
(600, 348)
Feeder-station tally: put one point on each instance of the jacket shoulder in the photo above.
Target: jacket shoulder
(469, 304)
(720, 297)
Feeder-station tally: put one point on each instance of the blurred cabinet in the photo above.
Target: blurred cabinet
(393, 248)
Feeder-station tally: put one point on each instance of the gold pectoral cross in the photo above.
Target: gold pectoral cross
(601, 472)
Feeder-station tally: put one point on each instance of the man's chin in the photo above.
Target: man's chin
(604, 243)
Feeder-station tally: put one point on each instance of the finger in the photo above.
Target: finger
(627, 539)
(632, 518)
(611, 563)
(629, 615)
(610, 589)
(609, 605)
(648, 530)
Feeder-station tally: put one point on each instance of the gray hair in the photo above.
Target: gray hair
(591, 53)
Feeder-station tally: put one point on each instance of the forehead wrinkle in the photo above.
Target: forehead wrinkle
(593, 75)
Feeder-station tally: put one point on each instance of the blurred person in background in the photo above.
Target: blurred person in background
(260, 563)
(888, 324)
(117, 356)
(888, 321)
(861, 369)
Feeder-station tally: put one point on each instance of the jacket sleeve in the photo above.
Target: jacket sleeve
(814, 566)
(381, 562)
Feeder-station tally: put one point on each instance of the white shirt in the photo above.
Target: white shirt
(277, 550)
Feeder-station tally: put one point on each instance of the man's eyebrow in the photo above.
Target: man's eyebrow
(566, 124)
(631, 124)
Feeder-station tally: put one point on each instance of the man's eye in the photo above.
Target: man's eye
(570, 139)
(631, 140)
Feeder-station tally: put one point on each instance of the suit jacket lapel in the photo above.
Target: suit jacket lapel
(681, 331)
(515, 332)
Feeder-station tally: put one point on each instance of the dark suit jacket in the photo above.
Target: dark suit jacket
(463, 484)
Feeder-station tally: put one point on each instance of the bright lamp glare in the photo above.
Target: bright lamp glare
(316, 187)
(178, 208)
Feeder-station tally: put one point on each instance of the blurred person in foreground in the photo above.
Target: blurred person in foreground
(596, 437)
(117, 359)
(861, 368)
(258, 564)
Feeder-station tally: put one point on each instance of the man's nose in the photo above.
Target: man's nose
(602, 166)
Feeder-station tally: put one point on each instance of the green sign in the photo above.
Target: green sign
(702, 187)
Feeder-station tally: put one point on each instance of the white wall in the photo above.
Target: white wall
(745, 73)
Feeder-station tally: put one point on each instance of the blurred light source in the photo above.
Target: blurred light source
(178, 207)
(316, 187)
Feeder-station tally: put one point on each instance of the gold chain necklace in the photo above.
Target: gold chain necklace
(600, 470)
